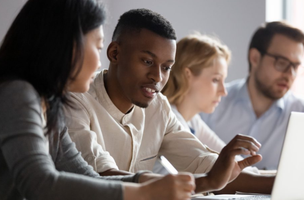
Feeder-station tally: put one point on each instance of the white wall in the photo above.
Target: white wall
(233, 21)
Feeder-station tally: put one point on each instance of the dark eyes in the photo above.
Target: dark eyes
(167, 68)
(149, 63)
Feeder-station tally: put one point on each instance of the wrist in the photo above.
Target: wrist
(142, 176)
(204, 184)
(135, 192)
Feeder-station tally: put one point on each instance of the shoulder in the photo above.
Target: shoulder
(197, 122)
(160, 102)
(83, 100)
(234, 90)
(18, 89)
(235, 85)
(21, 104)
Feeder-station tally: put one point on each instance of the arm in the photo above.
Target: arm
(249, 182)
(226, 169)
(177, 187)
(26, 157)
(89, 141)
(34, 173)
(183, 149)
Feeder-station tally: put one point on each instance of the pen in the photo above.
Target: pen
(168, 166)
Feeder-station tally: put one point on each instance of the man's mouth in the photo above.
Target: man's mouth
(150, 90)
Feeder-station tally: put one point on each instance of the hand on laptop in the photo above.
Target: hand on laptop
(226, 169)
(179, 186)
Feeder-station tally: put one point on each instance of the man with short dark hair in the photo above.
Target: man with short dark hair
(124, 122)
(260, 105)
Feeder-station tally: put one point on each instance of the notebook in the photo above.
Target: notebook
(289, 180)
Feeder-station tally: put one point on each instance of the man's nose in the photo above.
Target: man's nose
(155, 73)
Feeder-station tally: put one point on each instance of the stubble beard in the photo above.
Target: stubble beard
(267, 91)
(140, 104)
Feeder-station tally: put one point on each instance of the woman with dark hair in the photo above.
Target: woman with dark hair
(51, 48)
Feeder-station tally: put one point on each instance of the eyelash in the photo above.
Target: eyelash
(167, 68)
(148, 62)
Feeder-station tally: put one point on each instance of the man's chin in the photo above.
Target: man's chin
(276, 95)
(141, 104)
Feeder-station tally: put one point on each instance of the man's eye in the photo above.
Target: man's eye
(167, 68)
(282, 62)
(148, 62)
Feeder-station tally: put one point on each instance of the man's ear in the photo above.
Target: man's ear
(113, 52)
(254, 57)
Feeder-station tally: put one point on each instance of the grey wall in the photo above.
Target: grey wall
(233, 21)
(8, 11)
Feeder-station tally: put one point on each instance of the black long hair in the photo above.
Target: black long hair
(44, 46)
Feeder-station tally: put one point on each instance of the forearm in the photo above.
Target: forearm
(247, 182)
(203, 184)
(132, 191)
(113, 172)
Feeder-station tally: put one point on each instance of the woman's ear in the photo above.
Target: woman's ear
(188, 73)
(113, 52)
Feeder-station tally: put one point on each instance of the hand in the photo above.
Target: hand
(170, 187)
(149, 176)
(226, 169)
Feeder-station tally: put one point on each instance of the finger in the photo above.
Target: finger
(188, 186)
(185, 176)
(248, 138)
(249, 161)
(183, 195)
(186, 182)
(247, 144)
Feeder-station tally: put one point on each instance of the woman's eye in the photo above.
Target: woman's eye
(215, 80)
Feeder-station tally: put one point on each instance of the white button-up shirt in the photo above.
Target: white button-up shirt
(111, 139)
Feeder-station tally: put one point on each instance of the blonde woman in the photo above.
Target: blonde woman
(196, 84)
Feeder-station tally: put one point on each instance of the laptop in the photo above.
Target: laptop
(288, 184)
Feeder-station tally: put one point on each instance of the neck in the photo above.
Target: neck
(115, 92)
(186, 110)
(259, 101)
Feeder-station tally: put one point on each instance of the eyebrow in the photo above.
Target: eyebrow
(154, 56)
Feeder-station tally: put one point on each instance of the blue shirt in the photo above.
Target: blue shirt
(235, 115)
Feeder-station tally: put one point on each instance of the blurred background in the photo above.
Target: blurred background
(232, 21)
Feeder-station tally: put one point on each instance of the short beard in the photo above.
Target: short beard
(266, 91)
(141, 105)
